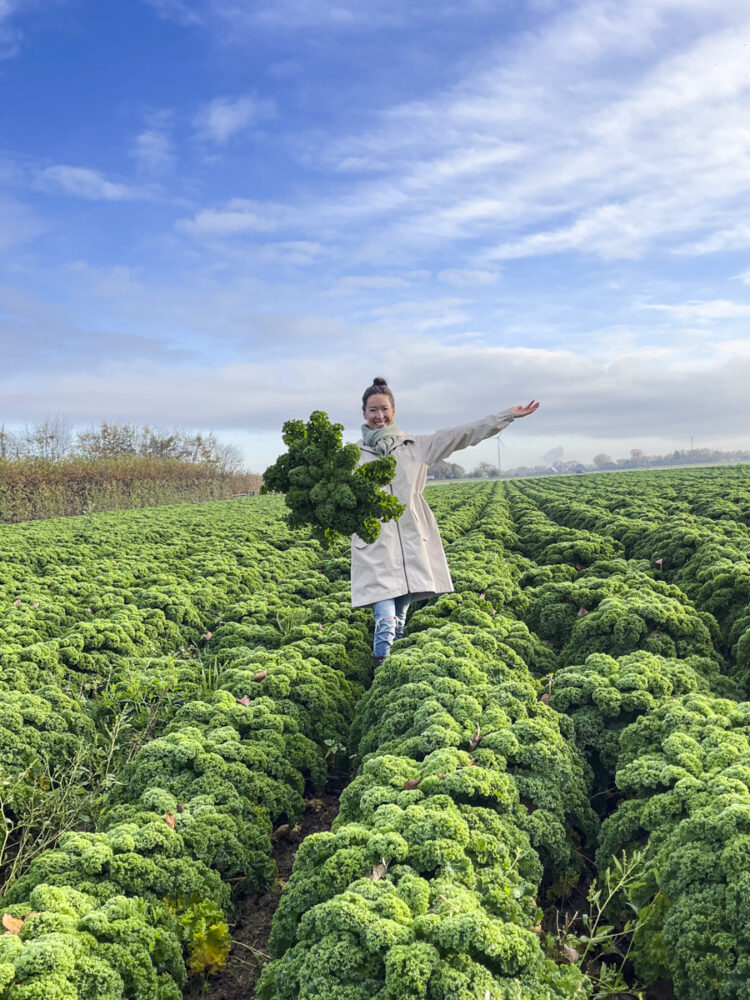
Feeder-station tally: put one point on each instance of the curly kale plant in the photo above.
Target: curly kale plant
(325, 489)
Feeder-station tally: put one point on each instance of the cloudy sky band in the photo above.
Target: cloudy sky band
(542, 199)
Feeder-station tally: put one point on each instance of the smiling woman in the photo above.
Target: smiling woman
(406, 562)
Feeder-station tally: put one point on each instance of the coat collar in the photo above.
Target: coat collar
(404, 439)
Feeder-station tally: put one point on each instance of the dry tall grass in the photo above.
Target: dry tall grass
(36, 488)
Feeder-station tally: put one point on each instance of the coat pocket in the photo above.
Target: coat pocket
(359, 543)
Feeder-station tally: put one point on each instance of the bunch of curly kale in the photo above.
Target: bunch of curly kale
(324, 487)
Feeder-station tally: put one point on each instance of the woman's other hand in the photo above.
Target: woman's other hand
(524, 411)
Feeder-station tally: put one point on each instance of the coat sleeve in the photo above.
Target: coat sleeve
(434, 447)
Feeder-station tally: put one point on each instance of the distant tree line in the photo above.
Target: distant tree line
(601, 463)
(53, 440)
(48, 470)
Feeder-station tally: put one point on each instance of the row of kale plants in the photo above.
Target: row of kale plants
(102, 626)
(469, 788)
(473, 793)
(654, 704)
(268, 660)
(691, 529)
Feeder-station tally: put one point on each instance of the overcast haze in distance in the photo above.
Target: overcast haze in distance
(223, 215)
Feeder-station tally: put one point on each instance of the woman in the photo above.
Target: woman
(407, 562)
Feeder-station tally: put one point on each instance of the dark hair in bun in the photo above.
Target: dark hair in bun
(379, 387)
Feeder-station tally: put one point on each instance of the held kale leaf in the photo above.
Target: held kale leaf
(324, 489)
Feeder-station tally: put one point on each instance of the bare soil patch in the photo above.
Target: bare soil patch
(252, 925)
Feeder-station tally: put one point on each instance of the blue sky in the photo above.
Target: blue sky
(221, 214)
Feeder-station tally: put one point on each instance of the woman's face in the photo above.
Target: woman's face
(379, 411)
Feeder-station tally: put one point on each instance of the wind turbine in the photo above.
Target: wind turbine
(499, 446)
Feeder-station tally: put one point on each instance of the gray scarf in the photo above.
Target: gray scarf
(381, 439)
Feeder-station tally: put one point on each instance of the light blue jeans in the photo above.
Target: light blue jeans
(390, 617)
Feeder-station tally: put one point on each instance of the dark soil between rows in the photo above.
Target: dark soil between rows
(252, 926)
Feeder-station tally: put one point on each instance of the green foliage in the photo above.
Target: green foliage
(325, 488)
(467, 786)
(215, 658)
(175, 682)
(603, 695)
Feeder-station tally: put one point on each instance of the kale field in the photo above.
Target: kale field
(544, 790)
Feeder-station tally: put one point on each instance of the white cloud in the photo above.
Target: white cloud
(463, 277)
(181, 11)
(86, 183)
(237, 19)
(723, 349)
(223, 117)
(525, 163)
(610, 129)
(413, 316)
(17, 224)
(152, 148)
(319, 15)
(239, 216)
(436, 385)
(733, 238)
(373, 281)
(703, 311)
(10, 35)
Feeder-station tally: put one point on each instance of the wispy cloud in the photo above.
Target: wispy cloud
(223, 117)
(703, 311)
(544, 150)
(465, 277)
(346, 16)
(435, 385)
(736, 237)
(18, 224)
(546, 187)
(83, 182)
(153, 150)
(10, 33)
(342, 14)
(181, 11)
(239, 216)
(370, 281)
(585, 161)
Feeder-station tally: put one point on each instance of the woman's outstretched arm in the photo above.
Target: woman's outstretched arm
(435, 447)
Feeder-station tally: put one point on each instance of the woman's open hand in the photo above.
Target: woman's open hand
(524, 411)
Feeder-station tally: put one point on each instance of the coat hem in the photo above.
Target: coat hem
(423, 595)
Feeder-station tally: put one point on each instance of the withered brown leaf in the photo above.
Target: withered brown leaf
(379, 870)
(11, 924)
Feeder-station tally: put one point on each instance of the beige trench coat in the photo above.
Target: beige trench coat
(407, 557)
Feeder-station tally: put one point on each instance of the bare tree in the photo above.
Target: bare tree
(485, 471)
(107, 441)
(230, 457)
(50, 439)
(113, 440)
(8, 443)
(446, 470)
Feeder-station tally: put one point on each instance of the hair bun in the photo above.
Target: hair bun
(379, 381)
